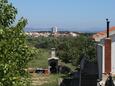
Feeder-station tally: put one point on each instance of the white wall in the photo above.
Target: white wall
(103, 60)
(112, 54)
(113, 57)
(100, 59)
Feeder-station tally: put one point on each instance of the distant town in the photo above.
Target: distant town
(54, 32)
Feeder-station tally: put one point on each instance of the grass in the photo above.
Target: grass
(52, 80)
(41, 60)
(45, 80)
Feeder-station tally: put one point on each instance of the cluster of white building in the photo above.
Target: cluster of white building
(54, 32)
(47, 34)
(38, 34)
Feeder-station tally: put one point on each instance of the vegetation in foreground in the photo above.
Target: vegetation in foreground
(14, 52)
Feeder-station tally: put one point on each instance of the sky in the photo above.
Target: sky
(81, 15)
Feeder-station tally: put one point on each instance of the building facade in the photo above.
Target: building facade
(106, 51)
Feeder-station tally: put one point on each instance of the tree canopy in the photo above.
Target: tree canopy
(14, 52)
(68, 49)
(7, 13)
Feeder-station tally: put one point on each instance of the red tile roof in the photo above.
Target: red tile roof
(102, 34)
(110, 30)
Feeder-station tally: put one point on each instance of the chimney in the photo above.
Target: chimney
(107, 28)
(107, 51)
(53, 52)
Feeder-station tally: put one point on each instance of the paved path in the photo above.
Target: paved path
(39, 80)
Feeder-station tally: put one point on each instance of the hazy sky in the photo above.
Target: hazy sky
(77, 14)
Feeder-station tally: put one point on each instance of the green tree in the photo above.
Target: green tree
(7, 13)
(14, 52)
(89, 50)
(68, 49)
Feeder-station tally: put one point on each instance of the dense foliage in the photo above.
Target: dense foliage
(68, 49)
(7, 13)
(14, 52)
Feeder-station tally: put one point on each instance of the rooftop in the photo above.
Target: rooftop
(100, 35)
